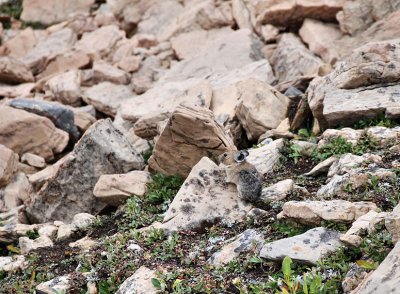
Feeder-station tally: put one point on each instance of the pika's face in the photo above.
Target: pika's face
(232, 157)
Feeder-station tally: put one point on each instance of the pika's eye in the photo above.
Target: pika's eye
(225, 154)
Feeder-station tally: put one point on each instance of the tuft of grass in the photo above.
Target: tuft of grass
(379, 120)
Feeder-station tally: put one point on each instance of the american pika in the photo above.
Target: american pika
(242, 173)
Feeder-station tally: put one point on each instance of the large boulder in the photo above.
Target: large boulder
(292, 60)
(24, 132)
(54, 11)
(190, 134)
(13, 71)
(204, 199)
(101, 150)
(363, 85)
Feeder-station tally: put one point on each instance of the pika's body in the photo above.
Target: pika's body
(242, 173)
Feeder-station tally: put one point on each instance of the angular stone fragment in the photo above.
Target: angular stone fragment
(313, 212)
(113, 189)
(191, 133)
(58, 284)
(101, 150)
(322, 167)
(13, 71)
(266, 157)
(309, 247)
(65, 87)
(28, 245)
(392, 223)
(204, 199)
(8, 164)
(19, 46)
(13, 263)
(139, 282)
(16, 192)
(104, 72)
(348, 162)
(292, 59)
(24, 132)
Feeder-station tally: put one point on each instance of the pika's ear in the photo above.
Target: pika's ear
(240, 156)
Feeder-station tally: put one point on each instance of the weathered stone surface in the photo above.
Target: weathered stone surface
(24, 132)
(61, 116)
(149, 72)
(107, 97)
(355, 179)
(358, 15)
(104, 72)
(241, 14)
(354, 277)
(139, 282)
(13, 263)
(350, 92)
(65, 87)
(384, 136)
(56, 285)
(266, 157)
(231, 51)
(83, 119)
(48, 230)
(204, 199)
(101, 41)
(47, 49)
(322, 167)
(10, 233)
(320, 36)
(313, 212)
(65, 231)
(82, 221)
(350, 135)
(292, 59)
(33, 160)
(101, 150)
(280, 190)
(392, 223)
(165, 98)
(384, 279)
(16, 192)
(26, 245)
(8, 164)
(19, 45)
(13, 71)
(248, 241)
(190, 134)
(309, 247)
(261, 107)
(84, 244)
(348, 162)
(12, 91)
(113, 189)
(56, 11)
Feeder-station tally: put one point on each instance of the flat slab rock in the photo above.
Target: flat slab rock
(386, 278)
(139, 282)
(313, 212)
(309, 247)
(101, 150)
(204, 199)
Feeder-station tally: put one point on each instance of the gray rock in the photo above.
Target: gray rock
(28, 245)
(280, 190)
(385, 279)
(56, 285)
(61, 116)
(13, 263)
(204, 199)
(322, 167)
(309, 247)
(266, 157)
(248, 241)
(101, 150)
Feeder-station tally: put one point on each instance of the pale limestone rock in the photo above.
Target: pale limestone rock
(350, 135)
(164, 99)
(56, 285)
(309, 247)
(129, 63)
(113, 189)
(313, 212)
(20, 45)
(261, 107)
(10, 233)
(139, 282)
(24, 132)
(392, 223)
(65, 87)
(101, 150)
(322, 167)
(280, 190)
(26, 245)
(8, 164)
(83, 120)
(241, 14)
(82, 221)
(348, 162)
(12, 91)
(203, 199)
(48, 230)
(107, 97)
(65, 231)
(13, 263)
(248, 241)
(47, 49)
(101, 41)
(84, 244)
(292, 59)
(269, 33)
(104, 72)
(266, 157)
(384, 279)
(191, 133)
(17, 191)
(384, 136)
(53, 12)
(13, 71)
(350, 92)
(320, 36)
(33, 160)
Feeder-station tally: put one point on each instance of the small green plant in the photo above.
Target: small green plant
(336, 146)
(291, 284)
(379, 120)
(146, 154)
(32, 234)
(295, 152)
